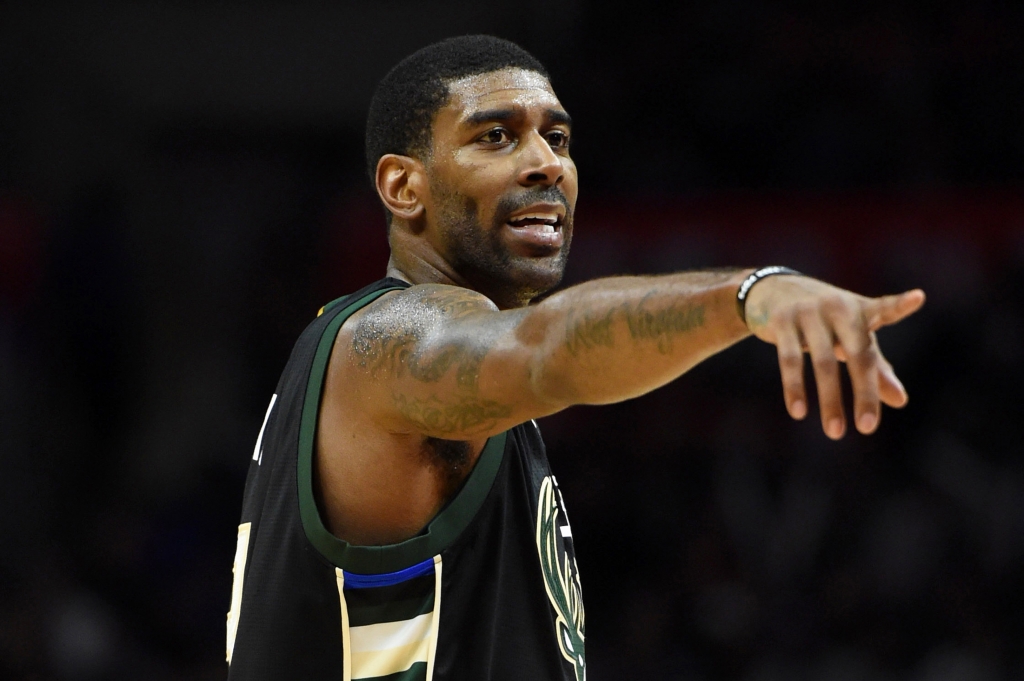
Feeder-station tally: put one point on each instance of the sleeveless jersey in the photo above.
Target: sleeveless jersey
(489, 590)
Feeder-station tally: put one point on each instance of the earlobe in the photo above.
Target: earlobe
(399, 185)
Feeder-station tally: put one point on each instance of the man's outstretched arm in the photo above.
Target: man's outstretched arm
(443, 361)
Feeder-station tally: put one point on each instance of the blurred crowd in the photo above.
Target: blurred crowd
(158, 261)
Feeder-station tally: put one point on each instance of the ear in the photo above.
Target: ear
(401, 182)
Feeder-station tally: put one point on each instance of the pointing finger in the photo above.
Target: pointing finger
(888, 310)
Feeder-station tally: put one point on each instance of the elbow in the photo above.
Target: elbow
(549, 380)
(550, 387)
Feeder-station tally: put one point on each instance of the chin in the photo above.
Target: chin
(523, 279)
(509, 279)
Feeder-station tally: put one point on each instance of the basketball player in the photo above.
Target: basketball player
(400, 519)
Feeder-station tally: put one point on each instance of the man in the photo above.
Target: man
(400, 519)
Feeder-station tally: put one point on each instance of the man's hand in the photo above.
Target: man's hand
(799, 314)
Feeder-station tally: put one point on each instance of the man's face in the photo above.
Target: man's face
(502, 184)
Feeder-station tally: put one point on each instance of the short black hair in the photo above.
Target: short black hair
(404, 103)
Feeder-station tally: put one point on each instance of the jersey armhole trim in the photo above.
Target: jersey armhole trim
(441, 532)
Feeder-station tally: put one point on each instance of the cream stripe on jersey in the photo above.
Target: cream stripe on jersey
(241, 554)
(390, 634)
(432, 653)
(345, 643)
(391, 661)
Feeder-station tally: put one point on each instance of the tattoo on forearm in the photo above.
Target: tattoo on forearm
(586, 331)
(664, 324)
(463, 414)
(589, 331)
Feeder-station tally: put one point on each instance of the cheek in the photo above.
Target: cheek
(570, 183)
(484, 187)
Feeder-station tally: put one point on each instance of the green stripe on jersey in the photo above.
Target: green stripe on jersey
(417, 672)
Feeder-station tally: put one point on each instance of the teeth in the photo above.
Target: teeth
(547, 217)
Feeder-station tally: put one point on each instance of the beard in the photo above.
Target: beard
(478, 253)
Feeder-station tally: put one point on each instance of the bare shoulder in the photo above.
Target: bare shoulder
(385, 331)
(421, 306)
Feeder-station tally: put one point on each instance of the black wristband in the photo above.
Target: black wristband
(753, 278)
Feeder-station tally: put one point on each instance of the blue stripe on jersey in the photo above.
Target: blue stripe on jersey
(355, 581)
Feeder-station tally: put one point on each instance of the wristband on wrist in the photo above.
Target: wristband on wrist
(753, 278)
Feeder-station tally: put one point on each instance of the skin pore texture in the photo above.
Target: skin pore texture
(420, 378)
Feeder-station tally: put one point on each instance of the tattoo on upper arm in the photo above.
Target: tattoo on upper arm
(461, 414)
(585, 331)
(387, 338)
(389, 341)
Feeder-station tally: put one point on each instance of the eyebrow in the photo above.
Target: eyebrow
(504, 115)
(559, 116)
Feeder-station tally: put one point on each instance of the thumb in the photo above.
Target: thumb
(888, 310)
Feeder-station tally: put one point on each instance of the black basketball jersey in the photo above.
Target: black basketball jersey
(488, 590)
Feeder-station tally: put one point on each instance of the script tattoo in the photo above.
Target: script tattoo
(664, 324)
(390, 340)
(585, 331)
(589, 331)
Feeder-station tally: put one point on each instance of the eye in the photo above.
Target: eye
(558, 139)
(496, 136)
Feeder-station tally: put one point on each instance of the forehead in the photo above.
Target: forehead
(507, 88)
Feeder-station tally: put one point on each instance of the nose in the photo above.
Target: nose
(540, 164)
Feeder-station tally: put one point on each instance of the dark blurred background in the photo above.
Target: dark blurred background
(181, 188)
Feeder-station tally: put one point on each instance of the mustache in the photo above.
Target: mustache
(511, 203)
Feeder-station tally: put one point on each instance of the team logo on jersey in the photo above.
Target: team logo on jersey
(561, 576)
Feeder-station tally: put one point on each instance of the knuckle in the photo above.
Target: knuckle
(868, 355)
(792, 365)
(793, 388)
(783, 316)
(866, 391)
(862, 358)
(790, 357)
(833, 304)
(843, 309)
(825, 363)
(805, 311)
(793, 362)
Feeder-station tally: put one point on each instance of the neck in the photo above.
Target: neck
(418, 268)
(414, 261)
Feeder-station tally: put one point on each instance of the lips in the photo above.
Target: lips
(538, 226)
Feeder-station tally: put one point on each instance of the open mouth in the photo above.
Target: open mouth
(537, 228)
(542, 223)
